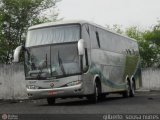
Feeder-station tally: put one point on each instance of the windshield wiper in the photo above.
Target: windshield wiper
(61, 64)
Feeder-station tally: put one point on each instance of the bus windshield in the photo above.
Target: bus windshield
(52, 51)
(53, 34)
(52, 61)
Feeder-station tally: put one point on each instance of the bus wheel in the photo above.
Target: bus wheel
(126, 93)
(51, 101)
(132, 91)
(102, 97)
(94, 98)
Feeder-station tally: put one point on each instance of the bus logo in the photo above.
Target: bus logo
(52, 85)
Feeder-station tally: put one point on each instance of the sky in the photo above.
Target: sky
(144, 13)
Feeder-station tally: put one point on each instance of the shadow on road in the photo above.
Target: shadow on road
(80, 102)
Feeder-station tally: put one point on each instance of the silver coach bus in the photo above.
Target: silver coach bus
(79, 59)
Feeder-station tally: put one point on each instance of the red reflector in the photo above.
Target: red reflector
(52, 92)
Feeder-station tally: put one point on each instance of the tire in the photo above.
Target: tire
(51, 101)
(126, 93)
(94, 98)
(132, 91)
(102, 97)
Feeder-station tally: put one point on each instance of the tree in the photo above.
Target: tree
(153, 35)
(134, 32)
(116, 28)
(153, 38)
(15, 18)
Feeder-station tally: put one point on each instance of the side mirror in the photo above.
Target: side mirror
(17, 53)
(81, 46)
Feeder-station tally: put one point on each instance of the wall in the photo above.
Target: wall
(151, 79)
(12, 83)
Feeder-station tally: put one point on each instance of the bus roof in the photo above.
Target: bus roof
(57, 23)
(81, 22)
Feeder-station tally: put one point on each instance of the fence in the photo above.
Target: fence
(12, 83)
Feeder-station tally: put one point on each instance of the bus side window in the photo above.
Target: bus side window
(130, 52)
(127, 51)
(97, 37)
(85, 61)
(87, 29)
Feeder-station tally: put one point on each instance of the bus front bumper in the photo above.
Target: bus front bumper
(75, 90)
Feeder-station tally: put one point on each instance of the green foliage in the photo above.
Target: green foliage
(134, 32)
(153, 38)
(153, 35)
(15, 18)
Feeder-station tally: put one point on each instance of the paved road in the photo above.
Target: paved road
(144, 102)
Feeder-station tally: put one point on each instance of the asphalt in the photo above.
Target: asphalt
(144, 102)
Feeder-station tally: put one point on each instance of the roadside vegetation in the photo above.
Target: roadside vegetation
(15, 18)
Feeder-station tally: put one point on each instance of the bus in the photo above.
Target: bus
(78, 59)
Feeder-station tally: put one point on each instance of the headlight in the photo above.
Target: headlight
(74, 83)
(32, 87)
